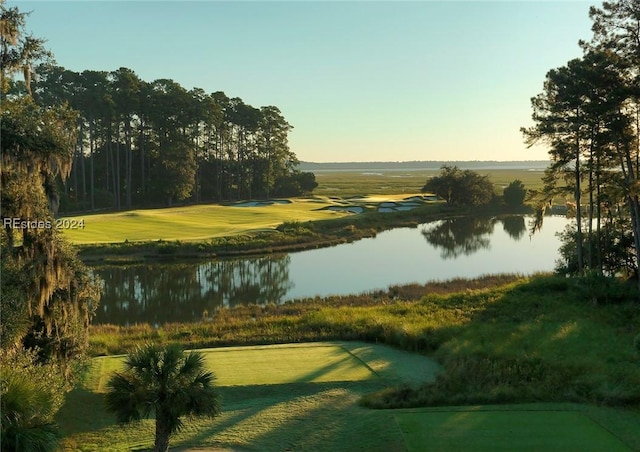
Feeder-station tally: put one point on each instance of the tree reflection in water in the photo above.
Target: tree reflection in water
(467, 235)
(514, 226)
(185, 292)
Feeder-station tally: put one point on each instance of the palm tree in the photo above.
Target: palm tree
(27, 409)
(166, 381)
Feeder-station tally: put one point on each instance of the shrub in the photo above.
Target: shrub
(514, 194)
(599, 289)
(483, 380)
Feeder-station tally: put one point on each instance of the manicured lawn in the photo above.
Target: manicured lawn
(191, 222)
(477, 429)
(305, 397)
(282, 365)
(266, 365)
(201, 222)
(297, 396)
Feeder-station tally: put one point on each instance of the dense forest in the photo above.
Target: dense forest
(143, 144)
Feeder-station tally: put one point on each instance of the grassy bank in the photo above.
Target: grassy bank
(283, 235)
(527, 339)
(500, 341)
(285, 232)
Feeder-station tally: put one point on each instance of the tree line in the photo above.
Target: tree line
(588, 114)
(142, 143)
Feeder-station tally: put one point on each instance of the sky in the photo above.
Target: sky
(358, 80)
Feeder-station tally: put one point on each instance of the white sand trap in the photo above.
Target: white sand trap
(248, 204)
(268, 202)
(352, 209)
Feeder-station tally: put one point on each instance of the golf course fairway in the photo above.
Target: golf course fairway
(196, 222)
(305, 397)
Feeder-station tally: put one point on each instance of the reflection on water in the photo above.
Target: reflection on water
(459, 236)
(462, 247)
(514, 226)
(184, 292)
(465, 236)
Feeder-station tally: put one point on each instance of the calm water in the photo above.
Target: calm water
(464, 247)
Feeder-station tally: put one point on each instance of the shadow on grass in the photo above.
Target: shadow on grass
(299, 416)
(346, 359)
(83, 411)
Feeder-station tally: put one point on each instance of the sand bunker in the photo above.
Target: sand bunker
(268, 202)
(352, 209)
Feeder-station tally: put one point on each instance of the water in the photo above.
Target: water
(464, 247)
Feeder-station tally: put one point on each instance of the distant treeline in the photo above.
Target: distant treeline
(424, 164)
(145, 143)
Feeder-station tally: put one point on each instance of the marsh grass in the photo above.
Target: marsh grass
(353, 183)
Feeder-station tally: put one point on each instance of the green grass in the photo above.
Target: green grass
(526, 340)
(221, 222)
(301, 396)
(266, 408)
(318, 362)
(202, 222)
(191, 222)
(479, 429)
(270, 364)
(531, 339)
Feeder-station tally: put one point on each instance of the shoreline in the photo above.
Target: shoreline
(287, 237)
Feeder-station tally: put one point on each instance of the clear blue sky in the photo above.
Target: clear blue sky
(359, 81)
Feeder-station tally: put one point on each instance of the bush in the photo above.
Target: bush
(486, 380)
(30, 396)
(597, 288)
(514, 194)
(295, 228)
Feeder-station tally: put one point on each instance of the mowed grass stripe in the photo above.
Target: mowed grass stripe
(266, 365)
(312, 364)
(505, 431)
(191, 222)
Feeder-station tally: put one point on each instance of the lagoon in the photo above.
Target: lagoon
(463, 247)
